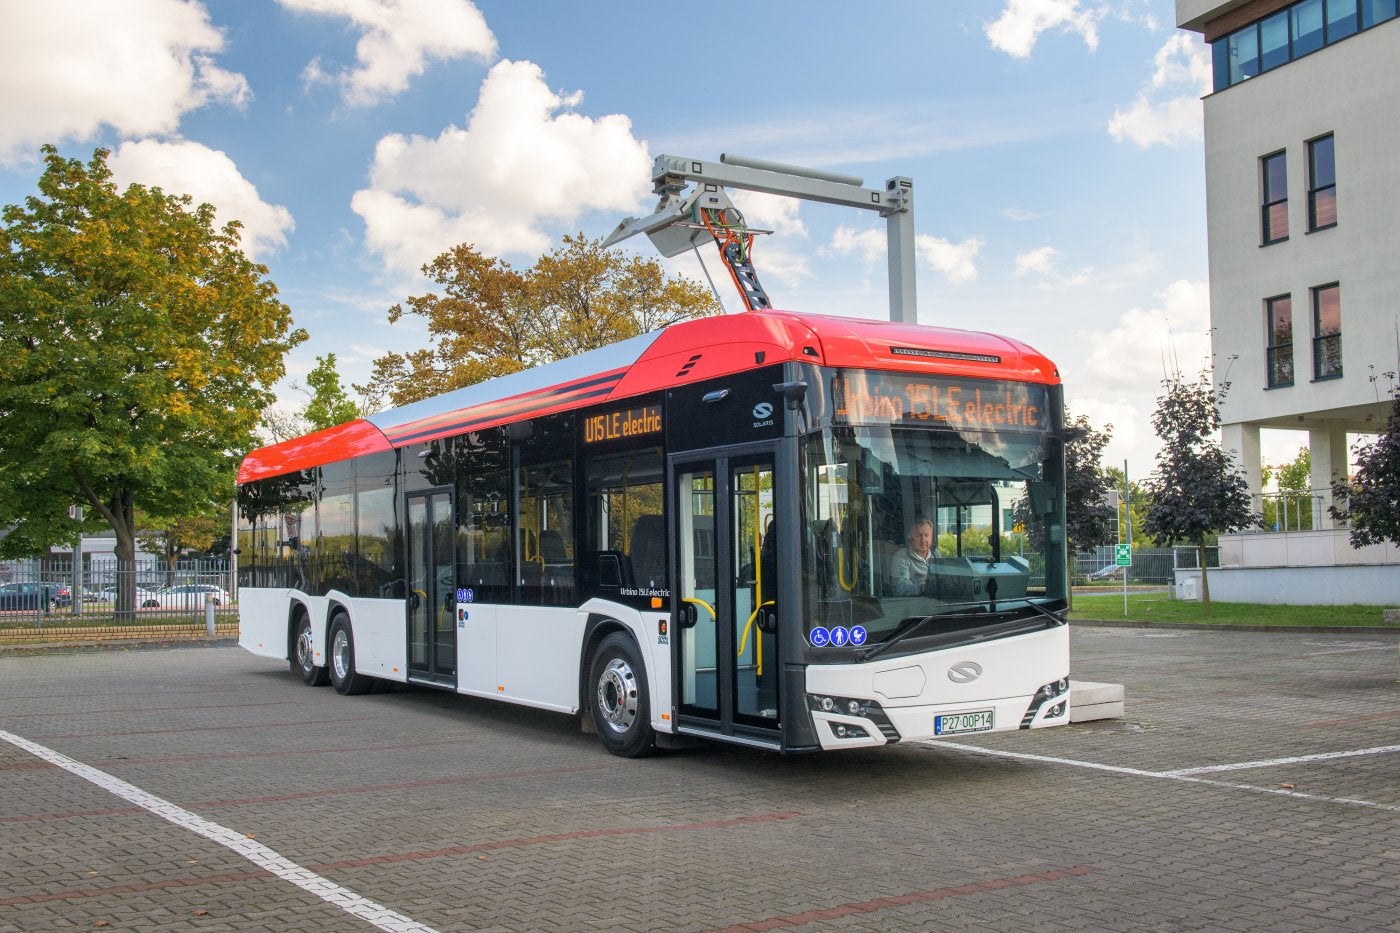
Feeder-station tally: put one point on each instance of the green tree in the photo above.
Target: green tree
(489, 319)
(138, 346)
(1292, 509)
(170, 537)
(1370, 501)
(329, 405)
(1090, 519)
(1135, 495)
(1196, 491)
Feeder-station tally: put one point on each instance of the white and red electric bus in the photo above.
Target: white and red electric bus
(690, 534)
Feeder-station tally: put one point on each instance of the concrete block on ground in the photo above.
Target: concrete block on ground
(1089, 701)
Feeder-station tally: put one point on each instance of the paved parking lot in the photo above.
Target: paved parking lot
(1254, 785)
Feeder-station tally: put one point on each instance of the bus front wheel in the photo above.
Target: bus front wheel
(303, 656)
(344, 678)
(619, 703)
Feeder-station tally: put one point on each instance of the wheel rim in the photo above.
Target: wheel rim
(340, 654)
(304, 648)
(617, 695)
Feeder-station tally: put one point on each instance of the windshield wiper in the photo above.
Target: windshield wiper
(874, 651)
(1058, 620)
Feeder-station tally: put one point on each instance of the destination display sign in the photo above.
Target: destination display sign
(624, 423)
(869, 397)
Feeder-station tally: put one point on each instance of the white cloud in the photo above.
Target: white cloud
(1167, 111)
(1021, 23)
(957, 261)
(1147, 344)
(525, 159)
(398, 38)
(68, 67)
(1044, 262)
(207, 175)
(867, 245)
(1021, 215)
(774, 212)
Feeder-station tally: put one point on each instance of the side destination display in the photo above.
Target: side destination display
(624, 423)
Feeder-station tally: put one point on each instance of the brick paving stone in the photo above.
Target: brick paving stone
(468, 815)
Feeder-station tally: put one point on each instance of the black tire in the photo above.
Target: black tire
(303, 659)
(341, 660)
(618, 698)
(150, 604)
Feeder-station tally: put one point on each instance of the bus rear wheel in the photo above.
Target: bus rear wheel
(342, 660)
(620, 703)
(303, 661)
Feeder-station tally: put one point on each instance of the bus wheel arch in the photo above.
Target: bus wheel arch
(301, 654)
(340, 657)
(616, 696)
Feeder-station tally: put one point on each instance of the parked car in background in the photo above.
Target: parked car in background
(62, 595)
(34, 596)
(184, 596)
(109, 595)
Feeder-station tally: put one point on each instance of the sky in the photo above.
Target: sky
(1055, 148)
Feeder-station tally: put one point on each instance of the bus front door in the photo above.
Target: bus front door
(432, 587)
(726, 614)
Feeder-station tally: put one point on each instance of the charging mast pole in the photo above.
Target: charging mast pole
(673, 230)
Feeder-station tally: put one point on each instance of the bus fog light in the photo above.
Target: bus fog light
(854, 708)
(828, 704)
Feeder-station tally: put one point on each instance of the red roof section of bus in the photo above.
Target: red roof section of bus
(865, 344)
(346, 440)
(687, 352)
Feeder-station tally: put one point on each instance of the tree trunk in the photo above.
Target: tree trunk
(1205, 583)
(123, 519)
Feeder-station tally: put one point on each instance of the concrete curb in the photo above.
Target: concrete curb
(116, 644)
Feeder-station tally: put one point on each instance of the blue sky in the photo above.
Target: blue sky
(1055, 147)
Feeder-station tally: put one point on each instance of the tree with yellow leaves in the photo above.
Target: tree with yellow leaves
(138, 347)
(489, 319)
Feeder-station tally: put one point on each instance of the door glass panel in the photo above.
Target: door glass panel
(432, 634)
(698, 595)
(443, 603)
(754, 579)
(419, 551)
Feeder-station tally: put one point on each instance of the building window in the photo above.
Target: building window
(1327, 331)
(1305, 22)
(1279, 314)
(1292, 32)
(1342, 19)
(1322, 184)
(1376, 11)
(1274, 183)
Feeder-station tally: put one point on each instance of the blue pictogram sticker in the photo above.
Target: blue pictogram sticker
(469, 595)
(820, 637)
(839, 636)
(858, 635)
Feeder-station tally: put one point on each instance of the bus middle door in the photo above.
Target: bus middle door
(728, 668)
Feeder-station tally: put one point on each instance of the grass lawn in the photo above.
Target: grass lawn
(1156, 607)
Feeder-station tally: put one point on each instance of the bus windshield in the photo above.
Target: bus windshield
(954, 533)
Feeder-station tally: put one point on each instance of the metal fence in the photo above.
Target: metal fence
(1150, 567)
(52, 598)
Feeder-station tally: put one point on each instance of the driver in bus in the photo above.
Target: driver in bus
(911, 565)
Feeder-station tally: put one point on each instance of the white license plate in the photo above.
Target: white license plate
(956, 723)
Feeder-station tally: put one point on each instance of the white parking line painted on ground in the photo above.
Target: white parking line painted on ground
(1270, 762)
(1176, 775)
(255, 852)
